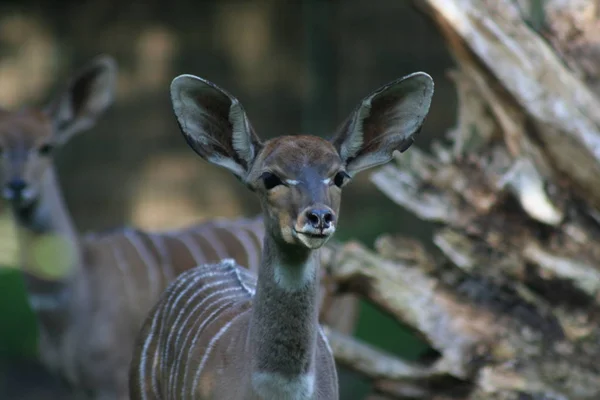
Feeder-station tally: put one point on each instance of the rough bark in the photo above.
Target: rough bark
(510, 299)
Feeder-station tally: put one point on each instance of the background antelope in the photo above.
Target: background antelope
(90, 293)
(217, 332)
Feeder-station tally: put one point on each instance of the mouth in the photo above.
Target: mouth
(313, 235)
(313, 240)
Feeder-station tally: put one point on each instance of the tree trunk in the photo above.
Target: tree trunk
(510, 299)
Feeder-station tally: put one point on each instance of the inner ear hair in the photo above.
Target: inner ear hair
(86, 96)
(214, 124)
(385, 121)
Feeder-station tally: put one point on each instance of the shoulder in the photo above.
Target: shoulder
(214, 277)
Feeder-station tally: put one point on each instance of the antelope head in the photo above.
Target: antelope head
(299, 179)
(29, 137)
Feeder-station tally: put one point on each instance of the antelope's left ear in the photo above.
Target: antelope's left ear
(86, 96)
(384, 121)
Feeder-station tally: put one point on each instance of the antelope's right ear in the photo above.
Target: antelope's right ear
(87, 95)
(214, 124)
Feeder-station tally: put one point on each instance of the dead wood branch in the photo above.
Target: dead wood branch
(561, 106)
(512, 303)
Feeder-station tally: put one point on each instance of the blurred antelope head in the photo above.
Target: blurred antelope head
(30, 136)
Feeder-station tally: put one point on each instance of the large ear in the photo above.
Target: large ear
(385, 121)
(87, 95)
(214, 124)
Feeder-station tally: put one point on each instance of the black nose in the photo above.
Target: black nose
(16, 185)
(319, 218)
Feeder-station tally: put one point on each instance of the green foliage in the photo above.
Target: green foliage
(386, 333)
(18, 330)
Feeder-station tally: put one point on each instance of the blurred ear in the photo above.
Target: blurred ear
(384, 121)
(214, 124)
(87, 95)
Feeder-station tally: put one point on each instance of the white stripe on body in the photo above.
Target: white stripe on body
(184, 314)
(165, 261)
(154, 285)
(213, 241)
(209, 291)
(142, 367)
(211, 346)
(246, 294)
(188, 241)
(122, 264)
(204, 321)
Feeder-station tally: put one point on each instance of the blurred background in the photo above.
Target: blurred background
(296, 66)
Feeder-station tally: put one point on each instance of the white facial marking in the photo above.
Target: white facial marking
(291, 182)
(287, 233)
(309, 229)
(307, 232)
(327, 181)
(28, 194)
(314, 242)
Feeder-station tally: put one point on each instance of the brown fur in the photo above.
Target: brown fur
(259, 338)
(89, 313)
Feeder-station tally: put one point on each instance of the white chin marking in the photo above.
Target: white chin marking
(312, 242)
(28, 194)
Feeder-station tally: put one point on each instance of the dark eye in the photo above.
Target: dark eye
(270, 180)
(45, 149)
(340, 179)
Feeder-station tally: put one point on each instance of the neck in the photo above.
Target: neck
(284, 321)
(49, 252)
